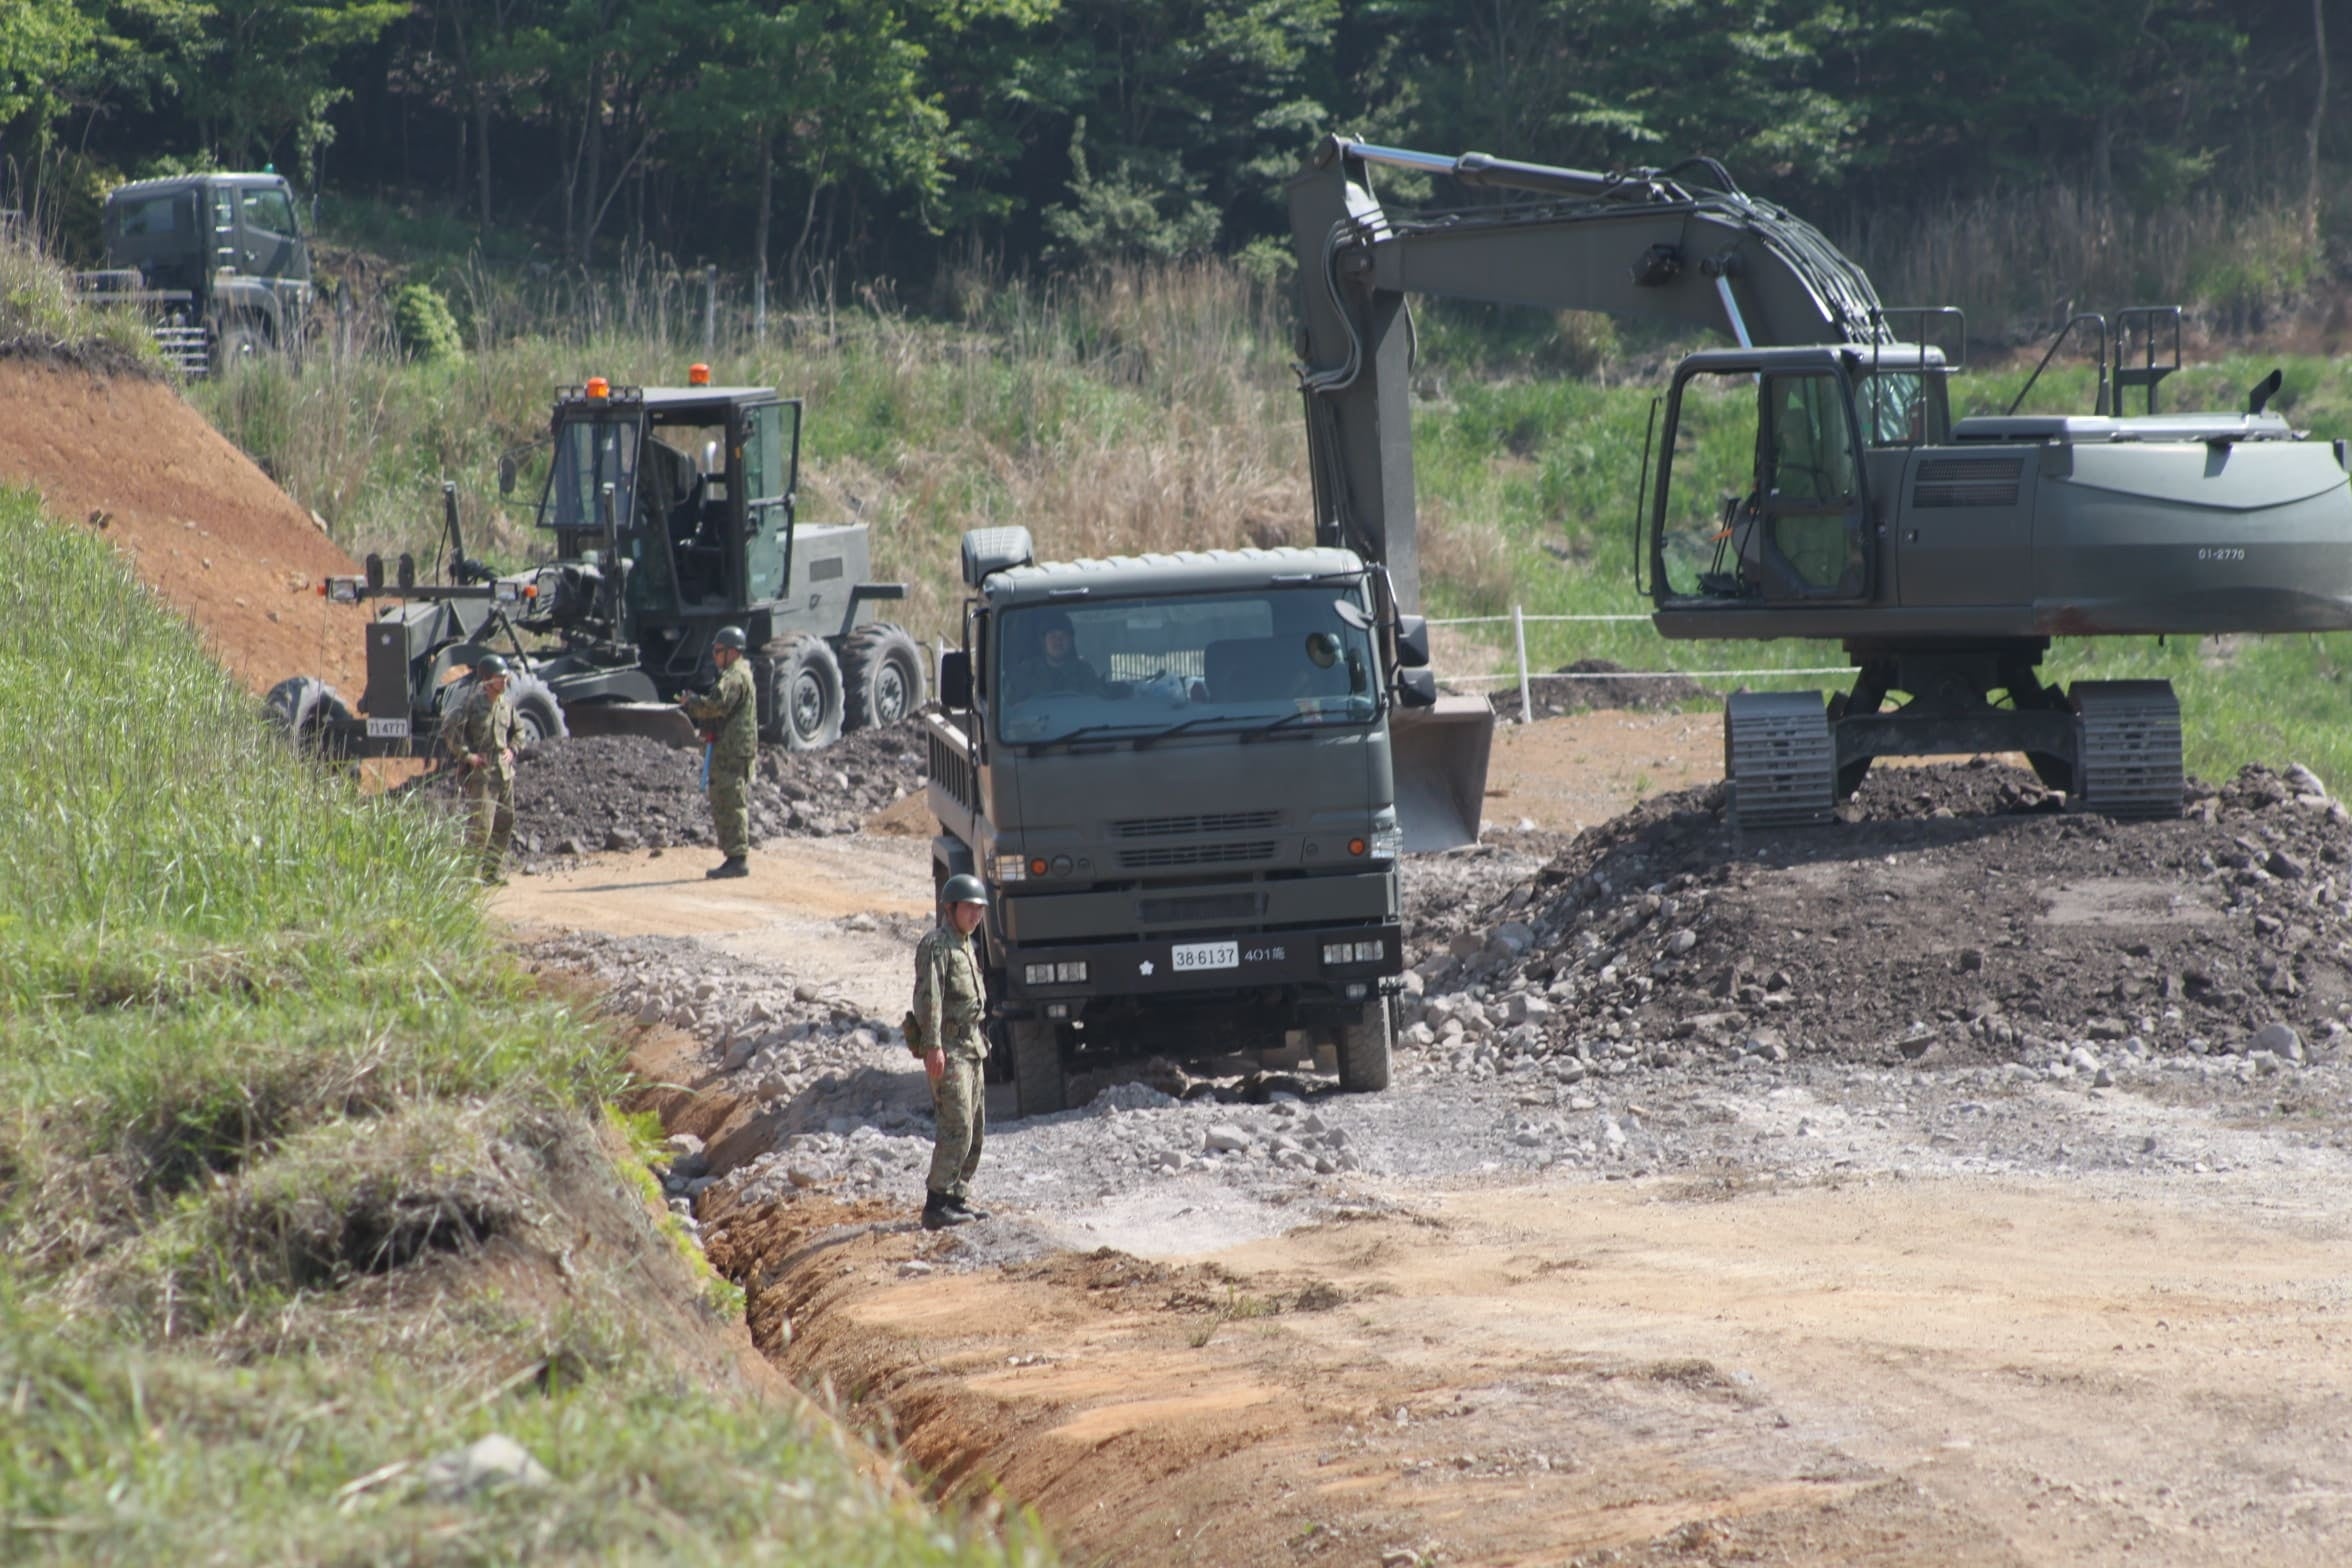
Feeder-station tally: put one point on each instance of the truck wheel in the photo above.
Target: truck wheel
(882, 676)
(237, 345)
(808, 692)
(538, 716)
(1038, 1085)
(1363, 1048)
(305, 710)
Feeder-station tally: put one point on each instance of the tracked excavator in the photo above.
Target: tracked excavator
(1809, 481)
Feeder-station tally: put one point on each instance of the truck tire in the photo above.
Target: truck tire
(1038, 1085)
(807, 685)
(238, 344)
(1364, 1047)
(538, 716)
(881, 675)
(303, 709)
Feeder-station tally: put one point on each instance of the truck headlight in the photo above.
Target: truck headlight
(507, 591)
(1388, 842)
(1011, 868)
(1370, 952)
(1339, 952)
(1038, 974)
(343, 590)
(1070, 974)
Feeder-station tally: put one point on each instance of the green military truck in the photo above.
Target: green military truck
(217, 262)
(1176, 775)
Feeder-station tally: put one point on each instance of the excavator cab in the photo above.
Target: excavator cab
(1768, 465)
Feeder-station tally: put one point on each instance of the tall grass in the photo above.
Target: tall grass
(41, 312)
(257, 1047)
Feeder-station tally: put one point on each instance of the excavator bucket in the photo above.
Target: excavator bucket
(660, 721)
(1440, 756)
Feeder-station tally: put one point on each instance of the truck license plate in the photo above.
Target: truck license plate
(387, 729)
(1205, 955)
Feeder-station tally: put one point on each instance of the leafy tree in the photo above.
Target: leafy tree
(268, 77)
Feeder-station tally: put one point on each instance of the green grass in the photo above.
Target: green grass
(267, 1079)
(39, 308)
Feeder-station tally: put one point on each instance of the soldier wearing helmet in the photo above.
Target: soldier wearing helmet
(729, 721)
(479, 738)
(947, 1029)
(1055, 665)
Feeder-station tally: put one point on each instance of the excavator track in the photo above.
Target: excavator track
(2127, 748)
(1780, 758)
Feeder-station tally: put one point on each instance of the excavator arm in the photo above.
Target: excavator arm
(1646, 242)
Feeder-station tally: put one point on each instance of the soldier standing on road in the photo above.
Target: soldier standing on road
(729, 719)
(946, 1029)
(480, 739)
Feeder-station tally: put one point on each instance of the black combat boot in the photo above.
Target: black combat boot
(940, 1211)
(733, 866)
(963, 1206)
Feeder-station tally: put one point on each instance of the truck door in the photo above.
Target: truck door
(770, 461)
(269, 240)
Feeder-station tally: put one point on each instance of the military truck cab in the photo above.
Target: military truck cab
(218, 261)
(1174, 773)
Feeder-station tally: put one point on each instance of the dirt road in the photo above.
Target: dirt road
(1719, 1313)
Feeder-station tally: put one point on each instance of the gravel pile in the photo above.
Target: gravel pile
(1956, 916)
(628, 792)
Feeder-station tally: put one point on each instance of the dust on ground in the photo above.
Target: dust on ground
(1804, 1285)
(192, 516)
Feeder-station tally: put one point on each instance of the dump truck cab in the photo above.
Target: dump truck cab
(218, 261)
(1174, 773)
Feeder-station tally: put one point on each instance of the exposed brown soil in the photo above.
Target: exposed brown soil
(195, 518)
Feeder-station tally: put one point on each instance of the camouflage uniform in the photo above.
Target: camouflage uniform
(731, 713)
(950, 1003)
(485, 726)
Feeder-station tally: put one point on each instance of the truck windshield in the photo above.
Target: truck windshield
(1130, 669)
(590, 454)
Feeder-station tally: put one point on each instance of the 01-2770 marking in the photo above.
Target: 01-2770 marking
(2221, 552)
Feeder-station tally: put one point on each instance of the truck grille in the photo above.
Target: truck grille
(1186, 827)
(1968, 481)
(1204, 906)
(1196, 854)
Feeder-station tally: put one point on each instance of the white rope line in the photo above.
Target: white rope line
(1534, 675)
(1505, 620)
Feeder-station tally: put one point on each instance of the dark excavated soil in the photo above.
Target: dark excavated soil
(1957, 911)
(627, 792)
(1599, 684)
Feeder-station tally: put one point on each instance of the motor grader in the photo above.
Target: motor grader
(668, 512)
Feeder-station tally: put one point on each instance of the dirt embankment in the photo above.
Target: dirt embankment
(198, 522)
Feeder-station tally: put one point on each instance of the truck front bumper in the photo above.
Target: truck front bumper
(1201, 966)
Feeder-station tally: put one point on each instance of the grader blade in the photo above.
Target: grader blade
(661, 721)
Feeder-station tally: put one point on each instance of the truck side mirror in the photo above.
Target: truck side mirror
(506, 474)
(1416, 689)
(955, 680)
(1412, 642)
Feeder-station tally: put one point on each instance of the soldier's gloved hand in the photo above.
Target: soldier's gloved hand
(935, 1064)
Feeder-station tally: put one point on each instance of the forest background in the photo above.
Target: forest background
(2181, 146)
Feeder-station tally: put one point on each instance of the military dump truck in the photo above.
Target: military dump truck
(216, 261)
(1174, 774)
(669, 512)
(1811, 482)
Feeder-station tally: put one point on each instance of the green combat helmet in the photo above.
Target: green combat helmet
(963, 889)
(730, 637)
(489, 664)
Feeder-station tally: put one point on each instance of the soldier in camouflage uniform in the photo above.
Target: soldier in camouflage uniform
(729, 720)
(480, 739)
(946, 1029)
